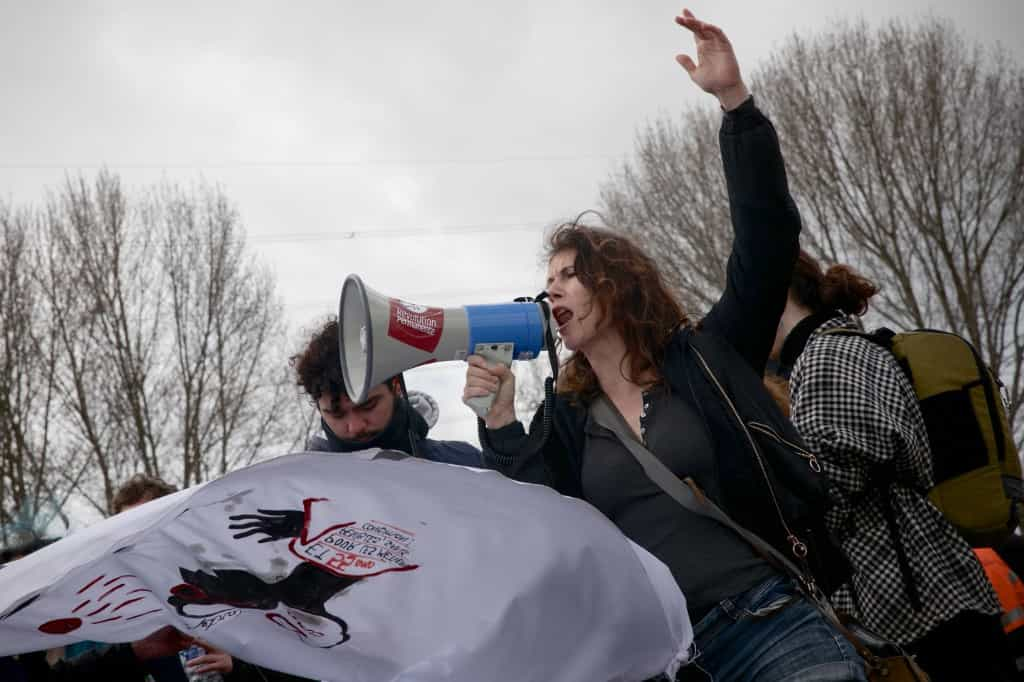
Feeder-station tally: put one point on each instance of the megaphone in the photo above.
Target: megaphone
(380, 336)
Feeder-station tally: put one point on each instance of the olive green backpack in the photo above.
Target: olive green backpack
(977, 471)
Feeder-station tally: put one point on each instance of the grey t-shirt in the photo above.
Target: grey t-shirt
(709, 562)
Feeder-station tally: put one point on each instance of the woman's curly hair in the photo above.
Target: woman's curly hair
(630, 292)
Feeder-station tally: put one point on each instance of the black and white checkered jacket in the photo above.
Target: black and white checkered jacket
(854, 407)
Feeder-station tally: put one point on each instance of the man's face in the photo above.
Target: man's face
(359, 422)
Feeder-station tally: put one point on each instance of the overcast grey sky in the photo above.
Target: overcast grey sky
(466, 126)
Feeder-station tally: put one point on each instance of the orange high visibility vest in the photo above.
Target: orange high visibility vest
(1008, 587)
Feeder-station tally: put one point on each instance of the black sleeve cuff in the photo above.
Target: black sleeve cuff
(507, 439)
(744, 117)
(501, 446)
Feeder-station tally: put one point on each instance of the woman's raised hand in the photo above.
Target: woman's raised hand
(491, 378)
(716, 70)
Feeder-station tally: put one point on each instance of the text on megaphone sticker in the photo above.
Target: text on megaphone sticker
(415, 325)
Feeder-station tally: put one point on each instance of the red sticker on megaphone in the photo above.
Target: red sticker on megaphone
(416, 325)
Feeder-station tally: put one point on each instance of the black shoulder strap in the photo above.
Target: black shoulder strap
(687, 493)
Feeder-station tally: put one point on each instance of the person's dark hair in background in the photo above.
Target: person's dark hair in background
(139, 489)
(817, 295)
(840, 287)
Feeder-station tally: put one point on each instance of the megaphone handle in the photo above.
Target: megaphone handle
(492, 352)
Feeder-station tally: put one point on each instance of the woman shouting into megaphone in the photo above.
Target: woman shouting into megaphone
(692, 395)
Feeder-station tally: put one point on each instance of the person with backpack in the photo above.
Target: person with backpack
(689, 393)
(915, 580)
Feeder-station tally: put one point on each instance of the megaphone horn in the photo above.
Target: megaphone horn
(380, 336)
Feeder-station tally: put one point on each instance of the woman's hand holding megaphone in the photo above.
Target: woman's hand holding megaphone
(485, 378)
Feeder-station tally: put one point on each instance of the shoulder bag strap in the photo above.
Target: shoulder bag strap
(688, 493)
(691, 498)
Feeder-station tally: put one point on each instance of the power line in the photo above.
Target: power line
(391, 233)
(312, 164)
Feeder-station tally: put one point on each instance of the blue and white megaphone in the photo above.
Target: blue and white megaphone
(380, 336)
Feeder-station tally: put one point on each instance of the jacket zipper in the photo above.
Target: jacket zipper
(797, 546)
(812, 459)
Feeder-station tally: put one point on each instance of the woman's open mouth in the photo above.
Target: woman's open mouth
(562, 316)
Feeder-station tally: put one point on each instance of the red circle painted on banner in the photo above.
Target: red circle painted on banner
(61, 626)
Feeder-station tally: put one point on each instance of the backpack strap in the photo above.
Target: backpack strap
(886, 481)
(882, 336)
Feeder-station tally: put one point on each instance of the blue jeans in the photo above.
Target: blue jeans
(771, 633)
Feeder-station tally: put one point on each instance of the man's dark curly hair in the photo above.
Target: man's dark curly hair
(318, 367)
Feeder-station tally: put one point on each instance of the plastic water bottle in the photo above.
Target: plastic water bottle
(195, 651)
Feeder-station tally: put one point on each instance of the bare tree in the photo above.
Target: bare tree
(30, 494)
(226, 322)
(911, 166)
(905, 151)
(672, 197)
(150, 339)
(103, 301)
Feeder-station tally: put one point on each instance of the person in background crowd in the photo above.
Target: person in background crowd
(920, 587)
(383, 420)
(139, 489)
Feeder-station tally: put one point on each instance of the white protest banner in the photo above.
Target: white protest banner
(363, 567)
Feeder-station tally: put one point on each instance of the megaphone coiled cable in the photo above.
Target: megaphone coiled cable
(549, 394)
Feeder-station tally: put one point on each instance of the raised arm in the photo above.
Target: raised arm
(765, 220)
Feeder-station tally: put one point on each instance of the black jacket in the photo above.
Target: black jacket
(117, 663)
(769, 483)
